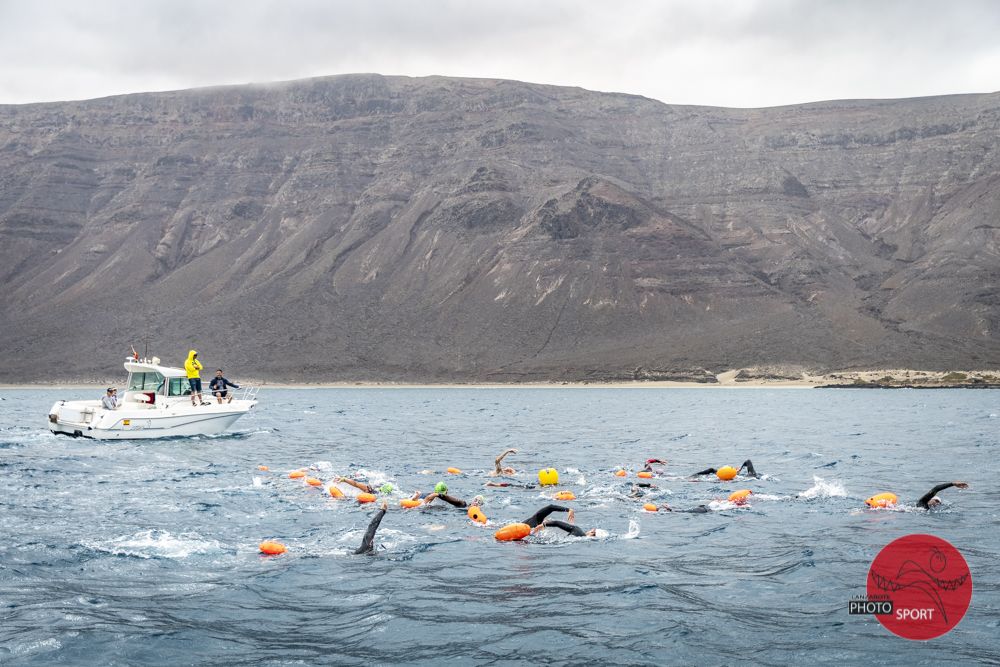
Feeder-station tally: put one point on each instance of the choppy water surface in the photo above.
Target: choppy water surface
(146, 552)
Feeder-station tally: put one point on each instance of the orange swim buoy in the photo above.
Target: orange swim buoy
(409, 504)
(366, 498)
(335, 492)
(565, 495)
(454, 471)
(476, 514)
(312, 481)
(644, 474)
(882, 500)
(726, 473)
(739, 497)
(263, 468)
(296, 474)
(650, 507)
(512, 532)
(620, 473)
(272, 548)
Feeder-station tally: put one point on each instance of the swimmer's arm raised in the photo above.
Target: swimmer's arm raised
(926, 498)
(570, 528)
(356, 484)
(368, 542)
(499, 459)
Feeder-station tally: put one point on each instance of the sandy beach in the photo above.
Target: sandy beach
(732, 379)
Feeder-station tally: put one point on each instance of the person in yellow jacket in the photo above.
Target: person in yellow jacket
(192, 366)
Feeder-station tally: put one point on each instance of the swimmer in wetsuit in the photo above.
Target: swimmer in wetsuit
(930, 499)
(500, 471)
(537, 521)
(649, 464)
(697, 509)
(368, 542)
(748, 464)
(361, 486)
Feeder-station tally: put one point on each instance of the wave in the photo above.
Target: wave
(823, 489)
(156, 544)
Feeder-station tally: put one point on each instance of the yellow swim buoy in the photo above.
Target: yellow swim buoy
(650, 507)
(312, 481)
(335, 492)
(512, 532)
(296, 474)
(644, 474)
(272, 548)
(565, 495)
(621, 473)
(366, 498)
(548, 477)
(739, 497)
(882, 500)
(408, 503)
(454, 471)
(726, 473)
(476, 514)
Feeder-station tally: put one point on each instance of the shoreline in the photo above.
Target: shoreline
(733, 379)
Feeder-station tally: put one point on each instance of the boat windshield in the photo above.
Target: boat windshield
(179, 387)
(145, 382)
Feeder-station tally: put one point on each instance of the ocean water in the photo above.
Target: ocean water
(145, 552)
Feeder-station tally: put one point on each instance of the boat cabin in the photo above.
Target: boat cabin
(150, 383)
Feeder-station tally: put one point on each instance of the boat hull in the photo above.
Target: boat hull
(142, 424)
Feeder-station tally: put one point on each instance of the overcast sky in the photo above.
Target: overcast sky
(743, 53)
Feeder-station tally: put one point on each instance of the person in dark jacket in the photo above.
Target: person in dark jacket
(218, 386)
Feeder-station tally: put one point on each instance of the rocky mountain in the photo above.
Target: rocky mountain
(367, 227)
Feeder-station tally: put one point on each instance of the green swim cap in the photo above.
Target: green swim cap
(441, 488)
(386, 488)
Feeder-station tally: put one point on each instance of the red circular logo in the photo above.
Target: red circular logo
(928, 582)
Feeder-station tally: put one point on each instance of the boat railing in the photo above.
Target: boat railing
(249, 392)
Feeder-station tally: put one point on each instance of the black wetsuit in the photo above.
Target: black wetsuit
(926, 499)
(748, 464)
(570, 528)
(368, 543)
(539, 516)
(698, 509)
(451, 500)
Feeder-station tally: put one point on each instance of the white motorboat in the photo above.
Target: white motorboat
(156, 403)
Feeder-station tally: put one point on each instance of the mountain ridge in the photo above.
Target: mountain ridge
(388, 228)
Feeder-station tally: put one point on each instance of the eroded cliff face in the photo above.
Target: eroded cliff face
(367, 227)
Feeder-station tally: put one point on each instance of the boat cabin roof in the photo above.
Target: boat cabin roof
(133, 366)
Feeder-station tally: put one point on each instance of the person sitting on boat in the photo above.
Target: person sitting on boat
(192, 366)
(110, 400)
(218, 386)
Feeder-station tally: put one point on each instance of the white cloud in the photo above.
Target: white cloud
(732, 53)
